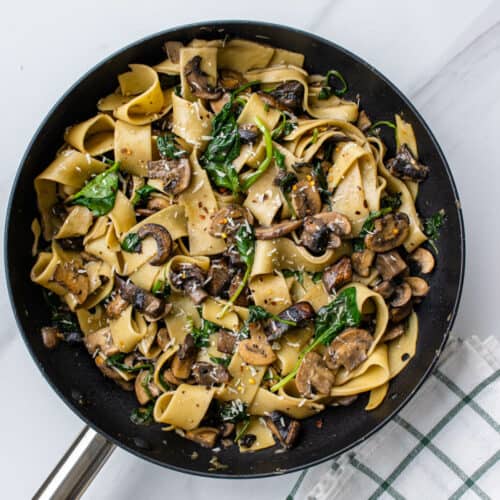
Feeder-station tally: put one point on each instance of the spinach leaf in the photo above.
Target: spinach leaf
(376, 126)
(220, 361)
(279, 158)
(329, 88)
(116, 361)
(99, 194)
(368, 226)
(432, 227)
(341, 313)
(224, 176)
(391, 200)
(319, 175)
(143, 415)
(168, 147)
(317, 276)
(285, 183)
(61, 318)
(298, 275)
(284, 128)
(131, 243)
(201, 335)
(233, 411)
(142, 194)
(258, 313)
(161, 288)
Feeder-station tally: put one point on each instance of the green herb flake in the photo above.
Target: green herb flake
(116, 361)
(391, 200)
(168, 147)
(201, 335)
(332, 78)
(293, 273)
(142, 194)
(432, 227)
(131, 243)
(233, 411)
(279, 158)
(220, 361)
(143, 415)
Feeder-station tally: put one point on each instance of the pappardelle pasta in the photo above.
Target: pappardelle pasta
(228, 241)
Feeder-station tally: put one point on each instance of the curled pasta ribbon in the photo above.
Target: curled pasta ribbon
(271, 292)
(184, 314)
(263, 435)
(185, 407)
(212, 311)
(208, 65)
(77, 223)
(93, 136)
(91, 321)
(126, 331)
(161, 364)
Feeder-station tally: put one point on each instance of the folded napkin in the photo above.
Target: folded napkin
(444, 444)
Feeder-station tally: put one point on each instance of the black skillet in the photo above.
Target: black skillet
(104, 406)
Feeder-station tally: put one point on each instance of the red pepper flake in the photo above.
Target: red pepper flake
(202, 217)
(319, 423)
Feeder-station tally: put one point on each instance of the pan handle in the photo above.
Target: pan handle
(75, 471)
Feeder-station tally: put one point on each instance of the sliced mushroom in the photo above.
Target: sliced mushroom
(205, 436)
(219, 277)
(289, 95)
(384, 288)
(424, 259)
(209, 374)
(227, 429)
(50, 337)
(338, 274)
(305, 198)
(364, 122)
(230, 79)
(198, 81)
(398, 314)
(218, 104)
(170, 378)
(390, 264)
(362, 261)
(256, 350)
(277, 230)
(184, 358)
(244, 296)
(152, 306)
(225, 341)
(393, 332)
(106, 370)
(227, 220)
(349, 349)
(299, 313)
(419, 287)
(285, 429)
(162, 338)
(314, 235)
(162, 239)
(389, 232)
(175, 174)
(190, 278)
(401, 296)
(314, 375)
(248, 133)
(406, 167)
(145, 388)
(337, 223)
(75, 280)
(116, 306)
(100, 340)
(172, 49)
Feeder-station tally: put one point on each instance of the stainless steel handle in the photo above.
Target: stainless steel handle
(75, 471)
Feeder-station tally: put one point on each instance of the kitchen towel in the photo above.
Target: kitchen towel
(444, 444)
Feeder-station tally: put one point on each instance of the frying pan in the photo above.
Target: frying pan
(101, 404)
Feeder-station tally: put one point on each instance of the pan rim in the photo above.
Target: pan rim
(221, 24)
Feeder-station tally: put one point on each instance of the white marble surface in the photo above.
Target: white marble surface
(444, 55)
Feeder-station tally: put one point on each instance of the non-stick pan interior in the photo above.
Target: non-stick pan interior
(71, 371)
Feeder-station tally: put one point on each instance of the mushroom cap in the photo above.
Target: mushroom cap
(209, 374)
(163, 241)
(406, 167)
(362, 261)
(390, 264)
(384, 288)
(336, 222)
(398, 314)
(50, 336)
(77, 283)
(198, 81)
(256, 350)
(100, 339)
(314, 235)
(289, 95)
(248, 133)
(175, 174)
(349, 349)
(230, 79)
(393, 332)
(205, 436)
(424, 259)
(419, 287)
(389, 232)
(299, 313)
(189, 278)
(305, 198)
(145, 391)
(227, 220)
(277, 230)
(314, 374)
(401, 296)
(338, 274)
(219, 277)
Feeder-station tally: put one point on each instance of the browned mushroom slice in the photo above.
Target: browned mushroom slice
(398, 314)
(190, 278)
(244, 297)
(285, 429)
(424, 260)
(349, 349)
(256, 350)
(248, 133)
(100, 340)
(184, 358)
(277, 230)
(406, 167)
(305, 198)
(170, 378)
(163, 241)
(219, 277)
(338, 274)
(106, 370)
(314, 235)
(390, 264)
(225, 341)
(50, 337)
(402, 295)
(116, 306)
(162, 338)
(364, 122)
(389, 232)
(209, 374)
(205, 436)
(175, 174)
(227, 429)
(362, 261)
(384, 288)
(230, 79)
(289, 95)
(419, 287)
(153, 307)
(145, 388)
(337, 223)
(299, 313)
(393, 332)
(75, 280)
(227, 220)
(314, 375)
(198, 81)
(172, 49)
(217, 105)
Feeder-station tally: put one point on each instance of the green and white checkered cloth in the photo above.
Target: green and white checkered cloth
(444, 444)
